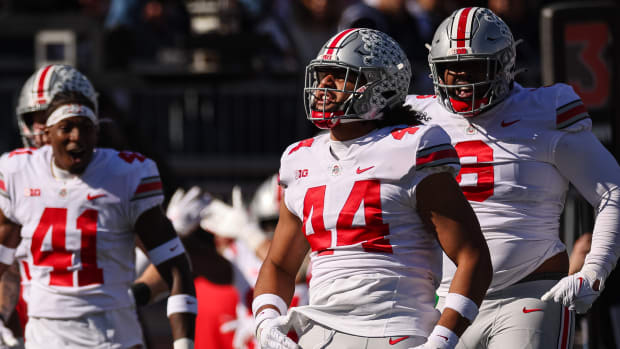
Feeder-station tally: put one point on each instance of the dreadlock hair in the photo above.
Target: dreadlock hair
(400, 115)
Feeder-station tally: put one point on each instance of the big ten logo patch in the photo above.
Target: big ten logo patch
(301, 173)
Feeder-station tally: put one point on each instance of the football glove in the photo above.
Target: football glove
(232, 221)
(243, 326)
(576, 292)
(7, 339)
(184, 209)
(271, 334)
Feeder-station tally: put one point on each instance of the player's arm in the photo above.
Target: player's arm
(9, 239)
(276, 281)
(446, 211)
(593, 170)
(166, 252)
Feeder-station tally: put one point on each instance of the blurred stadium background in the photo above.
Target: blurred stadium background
(212, 89)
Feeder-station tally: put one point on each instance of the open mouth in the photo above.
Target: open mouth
(77, 154)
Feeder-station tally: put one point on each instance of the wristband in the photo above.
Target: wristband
(181, 303)
(183, 343)
(269, 299)
(141, 293)
(7, 255)
(462, 305)
(443, 338)
(265, 314)
(166, 251)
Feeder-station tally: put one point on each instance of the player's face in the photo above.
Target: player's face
(465, 73)
(36, 123)
(333, 78)
(73, 141)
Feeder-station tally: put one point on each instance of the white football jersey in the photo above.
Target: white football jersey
(374, 265)
(508, 174)
(78, 233)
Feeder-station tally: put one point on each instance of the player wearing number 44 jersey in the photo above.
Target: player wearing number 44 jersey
(373, 200)
(77, 209)
(519, 148)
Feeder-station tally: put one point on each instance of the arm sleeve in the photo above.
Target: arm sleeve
(586, 163)
(147, 190)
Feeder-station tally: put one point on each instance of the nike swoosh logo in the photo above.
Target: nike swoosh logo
(173, 248)
(93, 197)
(444, 337)
(362, 170)
(506, 124)
(397, 340)
(525, 311)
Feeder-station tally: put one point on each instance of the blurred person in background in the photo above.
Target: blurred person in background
(242, 237)
(518, 16)
(393, 17)
(34, 99)
(299, 28)
(376, 201)
(519, 149)
(83, 299)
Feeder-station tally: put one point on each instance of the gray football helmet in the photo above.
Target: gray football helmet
(375, 62)
(473, 34)
(40, 89)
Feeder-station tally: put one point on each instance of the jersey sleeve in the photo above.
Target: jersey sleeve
(7, 166)
(5, 199)
(435, 153)
(571, 114)
(146, 188)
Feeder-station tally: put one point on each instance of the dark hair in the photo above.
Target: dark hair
(402, 114)
(68, 97)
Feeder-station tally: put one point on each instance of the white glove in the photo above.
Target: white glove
(575, 291)
(231, 221)
(7, 339)
(271, 334)
(243, 327)
(184, 209)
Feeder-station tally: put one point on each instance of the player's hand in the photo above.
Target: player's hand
(243, 327)
(7, 339)
(576, 292)
(184, 209)
(271, 334)
(222, 219)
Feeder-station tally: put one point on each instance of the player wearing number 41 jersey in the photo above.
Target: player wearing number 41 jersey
(78, 209)
(373, 199)
(519, 149)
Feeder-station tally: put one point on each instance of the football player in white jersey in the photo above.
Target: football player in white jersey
(519, 148)
(76, 207)
(34, 98)
(376, 201)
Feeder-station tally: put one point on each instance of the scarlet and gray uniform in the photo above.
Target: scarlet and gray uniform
(512, 180)
(374, 265)
(79, 232)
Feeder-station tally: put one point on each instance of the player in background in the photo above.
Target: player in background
(519, 148)
(376, 201)
(76, 208)
(34, 98)
(244, 236)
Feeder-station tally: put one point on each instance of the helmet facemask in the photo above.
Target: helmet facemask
(473, 84)
(321, 104)
(32, 137)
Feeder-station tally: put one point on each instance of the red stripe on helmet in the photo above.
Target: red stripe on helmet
(41, 85)
(332, 45)
(460, 33)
